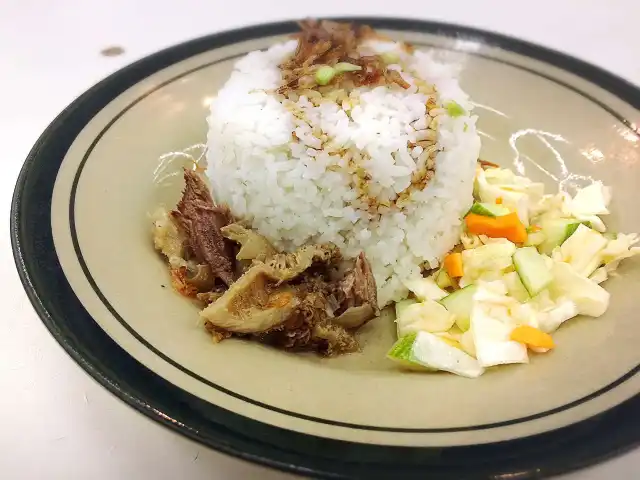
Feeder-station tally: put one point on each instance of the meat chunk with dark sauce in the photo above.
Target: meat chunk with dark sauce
(357, 295)
(262, 298)
(200, 220)
(305, 300)
(253, 246)
(292, 302)
(253, 304)
(289, 266)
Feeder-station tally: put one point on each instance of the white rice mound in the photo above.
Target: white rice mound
(297, 167)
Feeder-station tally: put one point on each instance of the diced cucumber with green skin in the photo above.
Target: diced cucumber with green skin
(443, 280)
(532, 270)
(556, 232)
(402, 352)
(426, 351)
(460, 304)
(489, 209)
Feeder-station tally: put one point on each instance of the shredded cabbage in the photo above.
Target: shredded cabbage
(590, 298)
(425, 289)
(618, 249)
(515, 192)
(487, 262)
(428, 316)
(491, 327)
(582, 250)
(580, 260)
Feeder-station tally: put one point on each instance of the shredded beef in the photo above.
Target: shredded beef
(201, 220)
(357, 295)
(304, 300)
(290, 302)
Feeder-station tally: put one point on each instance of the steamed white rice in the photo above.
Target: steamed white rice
(304, 169)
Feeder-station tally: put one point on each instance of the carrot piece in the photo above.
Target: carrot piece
(518, 233)
(506, 226)
(453, 265)
(499, 201)
(532, 337)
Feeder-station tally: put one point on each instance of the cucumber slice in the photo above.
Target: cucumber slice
(443, 280)
(401, 351)
(532, 270)
(489, 209)
(460, 304)
(425, 351)
(556, 232)
(515, 287)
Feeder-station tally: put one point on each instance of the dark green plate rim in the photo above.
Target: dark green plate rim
(565, 449)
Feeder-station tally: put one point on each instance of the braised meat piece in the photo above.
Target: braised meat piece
(260, 300)
(357, 295)
(253, 304)
(330, 338)
(253, 246)
(287, 302)
(200, 220)
(306, 300)
(187, 276)
(288, 266)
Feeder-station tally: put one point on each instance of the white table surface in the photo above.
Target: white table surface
(55, 421)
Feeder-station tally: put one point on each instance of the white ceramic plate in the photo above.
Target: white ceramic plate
(82, 243)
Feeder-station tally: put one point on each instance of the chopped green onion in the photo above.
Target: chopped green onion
(346, 67)
(325, 74)
(454, 109)
(390, 58)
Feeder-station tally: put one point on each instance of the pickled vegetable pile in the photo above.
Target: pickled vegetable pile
(526, 263)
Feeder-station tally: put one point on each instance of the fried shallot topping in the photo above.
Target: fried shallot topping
(326, 43)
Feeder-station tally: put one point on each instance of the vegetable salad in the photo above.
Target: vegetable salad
(526, 263)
